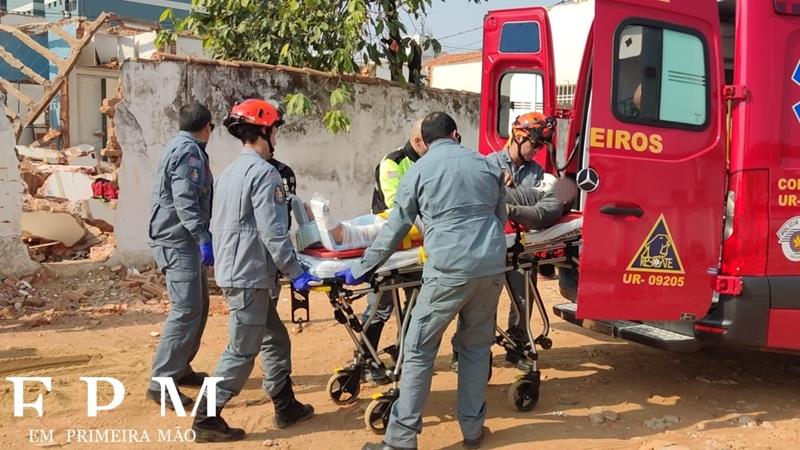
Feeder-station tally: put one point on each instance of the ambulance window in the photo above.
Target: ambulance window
(520, 93)
(520, 37)
(660, 77)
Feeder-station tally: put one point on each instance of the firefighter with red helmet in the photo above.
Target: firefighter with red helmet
(251, 244)
(530, 133)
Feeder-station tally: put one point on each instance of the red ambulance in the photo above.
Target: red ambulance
(684, 138)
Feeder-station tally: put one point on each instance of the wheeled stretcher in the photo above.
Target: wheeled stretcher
(526, 251)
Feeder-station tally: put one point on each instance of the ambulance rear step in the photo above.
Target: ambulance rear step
(631, 331)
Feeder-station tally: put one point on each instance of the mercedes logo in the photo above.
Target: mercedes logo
(588, 180)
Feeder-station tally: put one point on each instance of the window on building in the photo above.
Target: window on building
(661, 77)
(520, 93)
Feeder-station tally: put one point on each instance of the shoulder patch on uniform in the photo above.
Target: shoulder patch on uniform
(195, 162)
(391, 174)
(194, 175)
(280, 195)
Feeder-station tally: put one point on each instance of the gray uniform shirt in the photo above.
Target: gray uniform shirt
(180, 206)
(460, 197)
(528, 174)
(251, 226)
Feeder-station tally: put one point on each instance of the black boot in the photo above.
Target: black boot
(288, 410)
(214, 429)
(373, 333)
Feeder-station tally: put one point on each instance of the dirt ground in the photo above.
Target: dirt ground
(597, 393)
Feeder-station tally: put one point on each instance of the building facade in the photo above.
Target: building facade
(146, 10)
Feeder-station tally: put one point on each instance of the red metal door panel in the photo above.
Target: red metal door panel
(503, 54)
(652, 228)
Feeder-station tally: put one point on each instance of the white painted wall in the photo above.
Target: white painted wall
(189, 46)
(570, 24)
(462, 77)
(15, 253)
(340, 167)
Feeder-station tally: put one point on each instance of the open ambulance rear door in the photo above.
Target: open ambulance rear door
(518, 73)
(654, 175)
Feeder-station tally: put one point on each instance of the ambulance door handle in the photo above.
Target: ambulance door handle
(614, 210)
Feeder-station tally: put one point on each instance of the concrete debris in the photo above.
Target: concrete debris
(611, 416)
(41, 154)
(671, 420)
(746, 421)
(69, 199)
(596, 418)
(47, 169)
(103, 252)
(32, 179)
(61, 227)
(17, 295)
(108, 291)
(659, 424)
(84, 160)
(63, 221)
(74, 186)
(113, 151)
(34, 302)
(99, 213)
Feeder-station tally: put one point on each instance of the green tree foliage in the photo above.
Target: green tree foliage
(329, 35)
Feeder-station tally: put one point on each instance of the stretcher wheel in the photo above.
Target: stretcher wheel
(376, 417)
(546, 343)
(344, 386)
(524, 393)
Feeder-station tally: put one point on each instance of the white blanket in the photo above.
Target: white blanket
(327, 267)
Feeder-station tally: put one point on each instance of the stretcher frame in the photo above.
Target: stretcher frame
(344, 385)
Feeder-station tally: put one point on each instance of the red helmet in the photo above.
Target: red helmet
(534, 126)
(255, 111)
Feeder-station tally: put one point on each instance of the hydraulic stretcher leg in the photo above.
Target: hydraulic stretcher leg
(524, 393)
(376, 416)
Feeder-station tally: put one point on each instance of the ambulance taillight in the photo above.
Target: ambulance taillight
(787, 7)
(744, 250)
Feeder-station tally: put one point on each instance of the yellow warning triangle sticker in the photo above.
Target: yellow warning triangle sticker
(658, 252)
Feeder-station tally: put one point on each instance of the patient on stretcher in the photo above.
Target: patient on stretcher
(533, 208)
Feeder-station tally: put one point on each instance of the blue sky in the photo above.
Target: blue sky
(446, 19)
(458, 16)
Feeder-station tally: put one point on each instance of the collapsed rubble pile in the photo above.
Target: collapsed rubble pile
(39, 298)
(69, 203)
(42, 298)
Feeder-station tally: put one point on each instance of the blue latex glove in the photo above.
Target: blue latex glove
(303, 282)
(348, 277)
(207, 253)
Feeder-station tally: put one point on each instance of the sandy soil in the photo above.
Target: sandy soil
(648, 399)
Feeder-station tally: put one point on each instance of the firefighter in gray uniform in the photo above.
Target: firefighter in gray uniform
(251, 242)
(460, 197)
(529, 133)
(180, 212)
